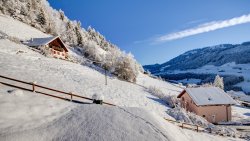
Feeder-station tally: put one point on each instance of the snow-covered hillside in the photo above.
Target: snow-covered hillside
(30, 116)
(226, 69)
(12, 27)
(226, 60)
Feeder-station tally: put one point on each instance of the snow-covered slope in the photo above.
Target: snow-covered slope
(94, 123)
(69, 77)
(165, 87)
(18, 29)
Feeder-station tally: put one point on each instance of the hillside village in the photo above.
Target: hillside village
(107, 94)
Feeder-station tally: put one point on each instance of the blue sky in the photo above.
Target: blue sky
(156, 31)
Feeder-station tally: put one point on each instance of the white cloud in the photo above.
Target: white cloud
(207, 27)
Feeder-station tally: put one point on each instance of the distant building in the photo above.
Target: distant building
(211, 103)
(51, 45)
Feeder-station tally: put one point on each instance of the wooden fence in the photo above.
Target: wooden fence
(34, 86)
(188, 125)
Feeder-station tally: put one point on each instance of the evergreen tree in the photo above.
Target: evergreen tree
(41, 18)
(78, 33)
(62, 16)
(218, 82)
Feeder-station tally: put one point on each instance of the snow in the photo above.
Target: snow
(21, 110)
(209, 96)
(190, 81)
(226, 69)
(18, 29)
(239, 95)
(40, 41)
(240, 113)
(39, 117)
(165, 87)
(163, 68)
(73, 78)
(93, 122)
(30, 116)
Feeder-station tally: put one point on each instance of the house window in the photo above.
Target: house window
(182, 98)
(54, 52)
(58, 53)
(62, 54)
(203, 116)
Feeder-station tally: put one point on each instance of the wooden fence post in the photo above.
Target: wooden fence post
(71, 96)
(182, 125)
(106, 79)
(33, 86)
(197, 128)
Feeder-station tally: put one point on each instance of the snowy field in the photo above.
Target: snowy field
(29, 116)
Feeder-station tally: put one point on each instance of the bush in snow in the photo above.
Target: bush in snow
(225, 131)
(207, 85)
(171, 100)
(182, 115)
(126, 68)
(14, 39)
(45, 51)
(93, 52)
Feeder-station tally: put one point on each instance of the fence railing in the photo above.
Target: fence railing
(190, 126)
(34, 87)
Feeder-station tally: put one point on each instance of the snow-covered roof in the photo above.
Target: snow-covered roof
(40, 41)
(208, 96)
(43, 41)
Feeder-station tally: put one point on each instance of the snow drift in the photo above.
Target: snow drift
(94, 122)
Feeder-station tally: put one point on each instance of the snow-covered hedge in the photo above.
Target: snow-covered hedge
(182, 115)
